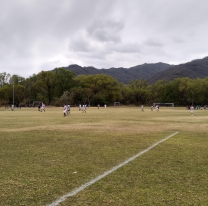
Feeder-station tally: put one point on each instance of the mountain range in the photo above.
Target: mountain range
(150, 72)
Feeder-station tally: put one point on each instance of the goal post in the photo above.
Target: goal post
(116, 103)
(164, 104)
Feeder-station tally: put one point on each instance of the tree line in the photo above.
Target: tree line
(62, 86)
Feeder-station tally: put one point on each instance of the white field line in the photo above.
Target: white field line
(82, 187)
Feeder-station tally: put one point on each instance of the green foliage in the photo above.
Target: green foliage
(45, 84)
(139, 91)
(96, 89)
(63, 80)
(4, 78)
(52, 87)
(6, 93)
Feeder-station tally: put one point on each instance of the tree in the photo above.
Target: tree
(16, 79)
(31, 90)
(63, 80)
(4, 78)
(125, 92)
(97, 89)
(139, 91)
(6, 93)
(45, 84)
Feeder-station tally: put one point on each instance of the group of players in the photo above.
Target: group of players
(66, 110)
(157, 108)
(41, 107)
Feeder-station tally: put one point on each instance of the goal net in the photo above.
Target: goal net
(164, 105)
(116, 103)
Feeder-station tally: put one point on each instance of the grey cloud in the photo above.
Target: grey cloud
(80, 44)
(126, 48)
(153, 43)
(106, 31)
(35, 33)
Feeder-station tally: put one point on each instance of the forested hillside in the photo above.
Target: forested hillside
(144, 71)
(62, 85)
(193, 69)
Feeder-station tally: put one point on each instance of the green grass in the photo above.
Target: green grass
(39, 153)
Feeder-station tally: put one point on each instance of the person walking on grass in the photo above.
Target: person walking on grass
(192, 110)
(64, 110)
(84, 109)
(142, 108)
(152, 108)
(43, 107)
(68, 109)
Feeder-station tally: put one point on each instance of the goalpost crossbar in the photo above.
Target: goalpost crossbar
(163, 104)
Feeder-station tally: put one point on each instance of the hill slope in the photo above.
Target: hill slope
(193, 69)
(124, 75)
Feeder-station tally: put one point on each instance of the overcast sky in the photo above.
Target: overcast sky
(38, 35)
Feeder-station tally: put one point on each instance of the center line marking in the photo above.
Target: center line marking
(82, 187)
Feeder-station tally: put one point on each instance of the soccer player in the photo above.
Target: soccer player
(64, 110)
(43, 107)
(142, 108)
(68, 109)
(84, 109)
(192, 110)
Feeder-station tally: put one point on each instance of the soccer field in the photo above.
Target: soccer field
(44, 156)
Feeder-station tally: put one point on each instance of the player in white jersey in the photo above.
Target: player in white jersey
(43, 107)
(84, 109)
(192, 110)
(68, 109)
(157, 108)
(142, 108)
(151, 108)
(64, 110)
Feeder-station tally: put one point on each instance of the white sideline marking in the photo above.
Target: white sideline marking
(82, 187)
